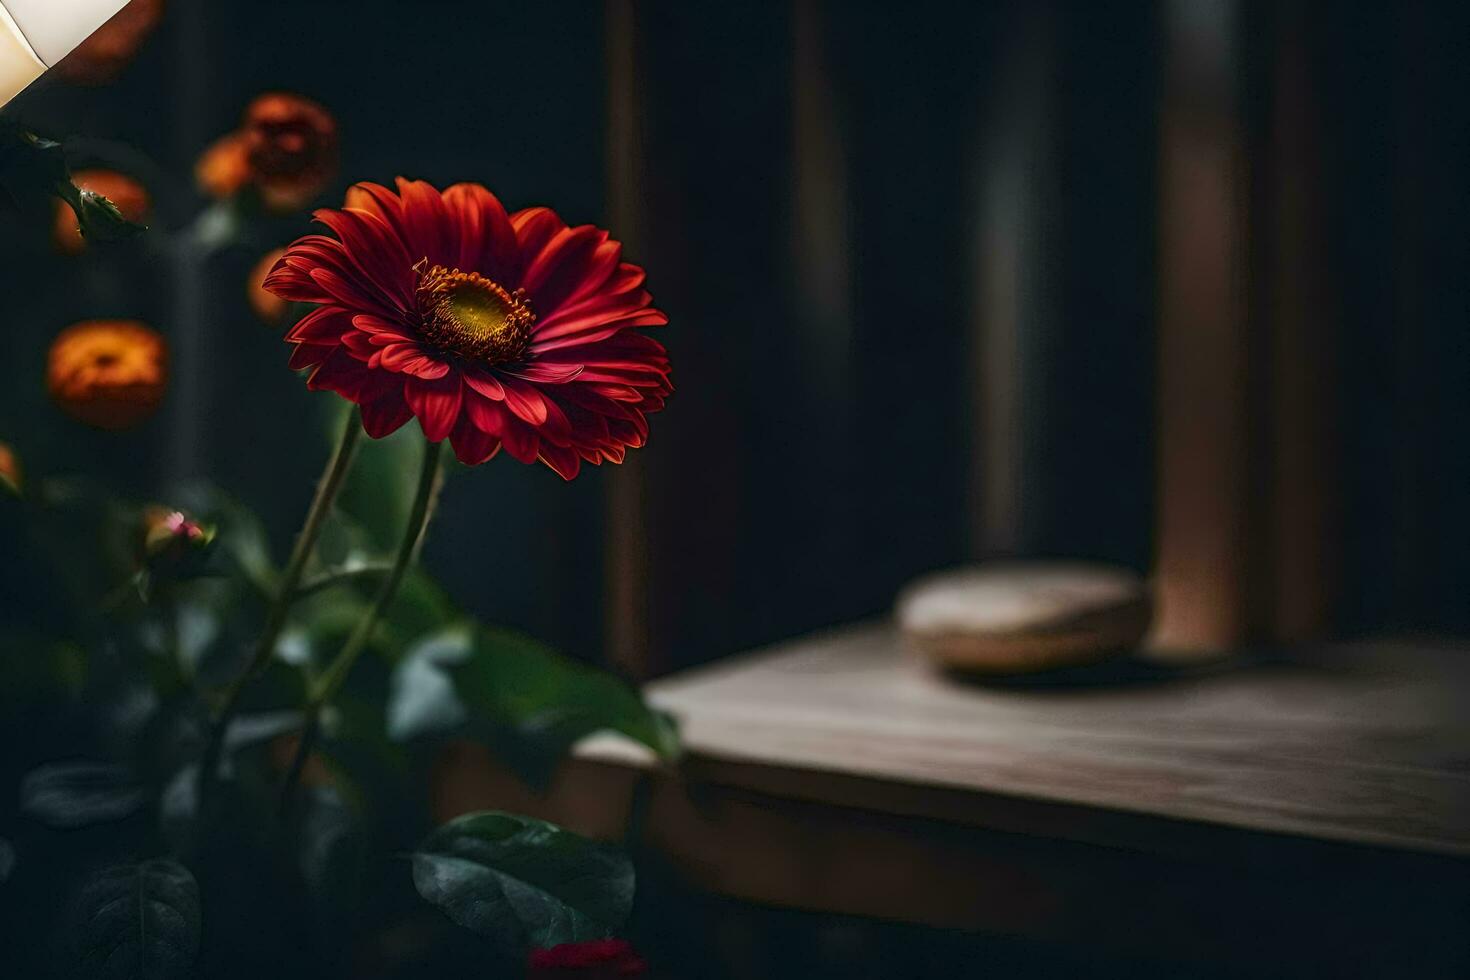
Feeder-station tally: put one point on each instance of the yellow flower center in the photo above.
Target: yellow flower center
(473, 316)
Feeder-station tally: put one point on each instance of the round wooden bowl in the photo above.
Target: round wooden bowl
(1011, 618)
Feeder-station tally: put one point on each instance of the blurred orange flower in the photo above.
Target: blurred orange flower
(267, 305)
(10, 475)
(223, 169)
(286, 148)
(292, 145)
(103, 56)
(108, 373)
(130, 197)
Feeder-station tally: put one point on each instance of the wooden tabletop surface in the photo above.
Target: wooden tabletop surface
(1361, 743)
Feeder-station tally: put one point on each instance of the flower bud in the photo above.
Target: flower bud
(125, 193)
(173, 544)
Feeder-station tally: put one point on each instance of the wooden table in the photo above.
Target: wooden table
(1312, 809)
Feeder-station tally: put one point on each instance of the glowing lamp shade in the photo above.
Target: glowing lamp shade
(36, 34)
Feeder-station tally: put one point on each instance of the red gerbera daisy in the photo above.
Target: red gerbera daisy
(492, 329)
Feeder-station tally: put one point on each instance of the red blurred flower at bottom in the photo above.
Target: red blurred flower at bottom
(601, 959)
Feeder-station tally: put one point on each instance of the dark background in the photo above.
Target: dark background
(816, 191)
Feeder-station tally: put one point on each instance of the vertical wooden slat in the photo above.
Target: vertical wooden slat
(1302, 348)
(189, 395)
(626, 559)
(1013, 300)
(821, 260)
(1410, 202)
(1204, 435)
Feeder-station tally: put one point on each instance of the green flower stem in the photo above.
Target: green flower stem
(286, 592)
(331, 680)
(345, 576)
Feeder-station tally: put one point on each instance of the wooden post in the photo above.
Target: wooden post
(189, 370)
(1205, 462)
(626, 561)
(1301, 347)
(821, 259)
(1012, 304)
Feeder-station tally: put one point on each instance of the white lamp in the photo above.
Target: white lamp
(36, 34)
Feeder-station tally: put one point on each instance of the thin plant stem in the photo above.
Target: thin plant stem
(286, 593)
(330, 681)
(346, 576)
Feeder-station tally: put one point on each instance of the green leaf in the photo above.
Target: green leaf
(248, 730)
(68, 796)
(524, 882)
(533, 702)
(137, 922)
(209, 625)
(421, 696)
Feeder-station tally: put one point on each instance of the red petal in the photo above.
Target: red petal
(323, 325)
(382, 202)
(309, 355)
(524, 400)
(534, 227)
(488, 416)
(472, 446)
(348, 290)
(487, 242)
(494, 419)
(385, 415)
(565, 462)
(376, 249)
(426, 223)
(575, 262)
(359, 344)
(520, 440)
(596, 309)
(436, 403)
(485, 383)
(410, 359)
(340, 372)
(383, 332)
(547, 374)
(291, 284)
(318, 269)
